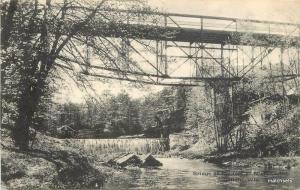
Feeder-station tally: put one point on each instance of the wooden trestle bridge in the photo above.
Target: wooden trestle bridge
(188, 50)
(180, 49)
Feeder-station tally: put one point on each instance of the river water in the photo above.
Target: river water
(179, 173)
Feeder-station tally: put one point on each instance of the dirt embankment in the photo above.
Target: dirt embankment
(185, 148)
(233, 159)
(52, 163)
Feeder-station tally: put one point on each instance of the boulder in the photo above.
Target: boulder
(126, 160)
(149, 161)
(135, 160)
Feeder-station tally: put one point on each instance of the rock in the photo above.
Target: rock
(180, 147)
(227, 163)
(135, 160)
(126, 160)
(149, 161)
(220, 158)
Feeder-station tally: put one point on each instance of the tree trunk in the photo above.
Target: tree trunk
(21, 129)
(7, 23)
(27, 105)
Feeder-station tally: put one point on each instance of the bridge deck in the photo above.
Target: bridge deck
(169, 33)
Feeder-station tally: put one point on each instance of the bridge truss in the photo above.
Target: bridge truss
(188, 50)
(179, 49)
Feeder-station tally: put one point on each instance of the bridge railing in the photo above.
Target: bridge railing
(201, 22)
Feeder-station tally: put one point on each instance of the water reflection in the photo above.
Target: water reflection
(195, 174)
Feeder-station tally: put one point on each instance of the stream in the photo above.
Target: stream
(179, 173)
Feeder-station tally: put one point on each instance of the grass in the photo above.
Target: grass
(266, 162)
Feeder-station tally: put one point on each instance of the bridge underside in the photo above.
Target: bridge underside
(192, 35)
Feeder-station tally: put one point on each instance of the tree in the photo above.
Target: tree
(123, 113)
(200, 114)
(37, 40)
(148, 109)
(164, 108)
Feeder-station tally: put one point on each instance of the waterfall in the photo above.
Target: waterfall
(136, 145)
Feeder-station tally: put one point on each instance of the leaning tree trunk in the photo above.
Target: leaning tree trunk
(21, 129)
(31, 85)
(29, 100)
(27, 107)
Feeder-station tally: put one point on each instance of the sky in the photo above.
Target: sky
(271, 10)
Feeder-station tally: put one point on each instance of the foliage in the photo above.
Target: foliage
(200, 114)
(115, 115)
(40, 39)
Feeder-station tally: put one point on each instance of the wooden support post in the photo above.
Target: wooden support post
(161, 56)
(252, 54)
(222, 61)
(282, 78)
(237, 53)
(190, 57)
(261, 59)
(216, 126)
(202, 62)
(298, 57)
(166, 58)
(298, 65)
(165, 49)
(237, 62)
(157, 60)
(229, 61)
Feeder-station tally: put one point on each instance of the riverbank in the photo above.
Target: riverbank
(235, 160)
(63, 164)
(51, 163)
